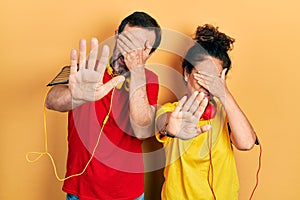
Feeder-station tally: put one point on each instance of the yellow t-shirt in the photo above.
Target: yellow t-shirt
(188, 162)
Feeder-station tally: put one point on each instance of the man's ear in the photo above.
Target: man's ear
(116, 34)
(147, 52)
(148, 48)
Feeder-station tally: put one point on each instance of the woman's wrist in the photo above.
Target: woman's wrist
(165, 132)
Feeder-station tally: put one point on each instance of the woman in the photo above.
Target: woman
(200, 161)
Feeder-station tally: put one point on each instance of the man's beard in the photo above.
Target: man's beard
(119, 66)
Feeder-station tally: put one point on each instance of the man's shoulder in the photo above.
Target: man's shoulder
(151, 76)
(149, 72)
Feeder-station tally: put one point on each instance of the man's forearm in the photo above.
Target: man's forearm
(145, 130)
(141, 112)
(59, 98)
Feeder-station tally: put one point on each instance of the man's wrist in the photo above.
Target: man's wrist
(77, 102)
(137, 69)
(137, 80)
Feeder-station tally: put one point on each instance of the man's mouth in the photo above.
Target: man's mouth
(206, 94)
(121, 60)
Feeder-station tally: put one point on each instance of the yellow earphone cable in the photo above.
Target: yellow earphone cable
(40, 154)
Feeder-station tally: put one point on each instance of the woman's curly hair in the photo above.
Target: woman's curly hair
(213, 43)
(210, 37)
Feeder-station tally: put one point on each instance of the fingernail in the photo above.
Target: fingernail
(94, 39)
(73, 52)
(120, 80)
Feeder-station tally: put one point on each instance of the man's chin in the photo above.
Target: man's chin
(122, 71)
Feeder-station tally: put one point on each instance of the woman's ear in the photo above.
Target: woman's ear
(185, 75)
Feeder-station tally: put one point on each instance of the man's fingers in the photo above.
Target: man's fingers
(73, 62)
(107, 87)
(82, 53)
(131, 40)
(101, 67)
(123, 46)
(93, 54)
(128, 42)
(94, 43)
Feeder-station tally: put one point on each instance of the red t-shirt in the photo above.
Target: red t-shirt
(116, 170)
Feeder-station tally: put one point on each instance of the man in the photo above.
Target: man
(106, 127)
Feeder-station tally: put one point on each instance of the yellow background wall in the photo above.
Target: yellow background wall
(37, 36)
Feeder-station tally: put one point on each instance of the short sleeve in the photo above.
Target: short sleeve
(168, 107)
(152, 87)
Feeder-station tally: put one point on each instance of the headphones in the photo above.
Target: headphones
(210, 111)
(124, 84)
